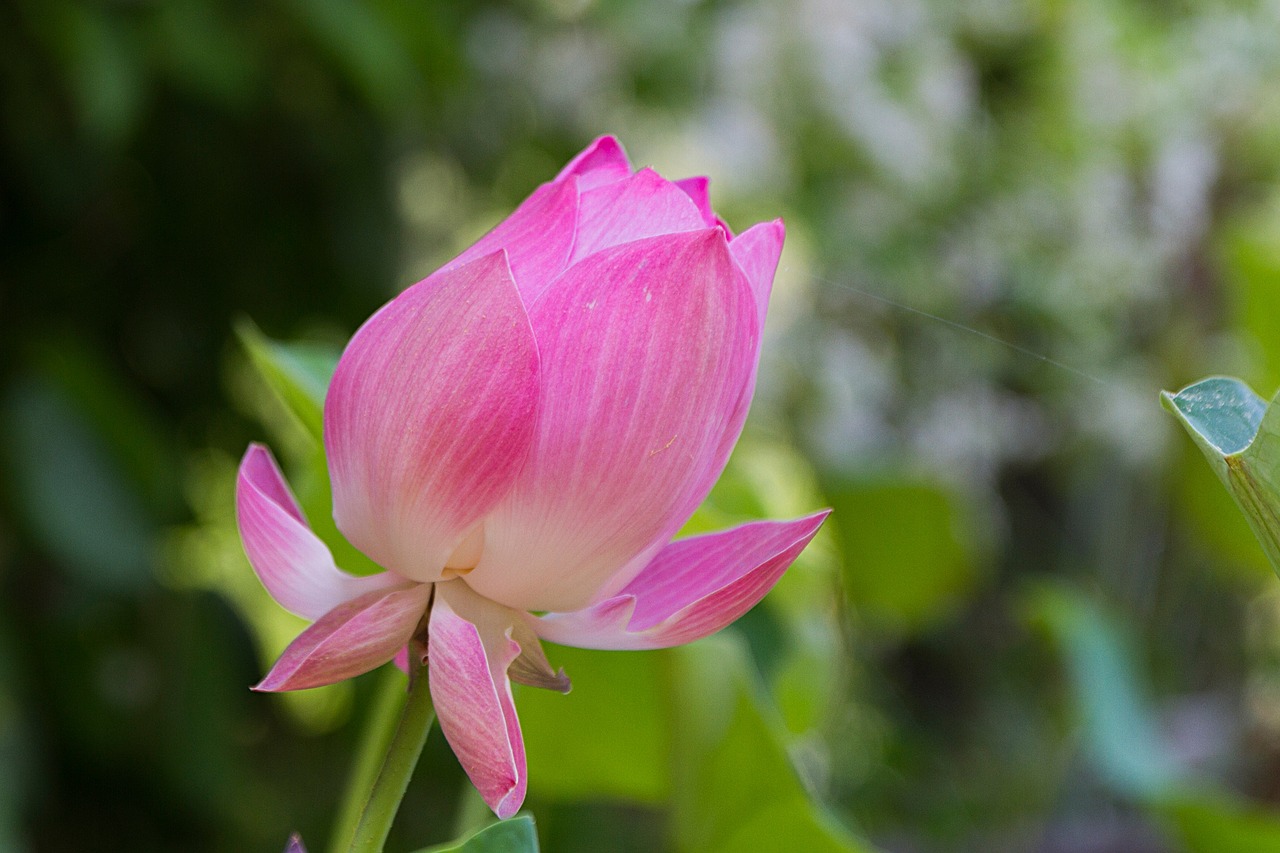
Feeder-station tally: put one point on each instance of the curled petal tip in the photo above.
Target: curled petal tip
(523, 673)
(508, 807)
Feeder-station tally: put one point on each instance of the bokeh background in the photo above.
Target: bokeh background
(1035, 622)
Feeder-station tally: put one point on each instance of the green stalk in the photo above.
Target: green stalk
(402, 754)
(378, 727)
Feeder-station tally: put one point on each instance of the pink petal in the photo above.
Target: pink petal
(693, 588)
(291, 561)
(757, 251)
(699, 189)
(644, 205)
(538, 237)
(295, 844)
(350, 640)
(429, 416)
(468, 659)
(601, 162)
(646, 350)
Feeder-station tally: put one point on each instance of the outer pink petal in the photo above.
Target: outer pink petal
(693, 588)
(291, 561)
(350, 640)
(430, 415)
(538, 238)
(644, 205)
(757, 251)
(472, 695)
(601, 162)
(646, 349)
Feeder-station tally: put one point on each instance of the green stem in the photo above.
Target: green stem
(402, 756)
(378, 726)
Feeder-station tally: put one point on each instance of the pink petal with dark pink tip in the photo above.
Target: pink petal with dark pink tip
(430, 414)
(601, 162)
(537, 237)
(646, 350)
(693, 588)
(644, 205)
(467, 668)
(350, 640)
(291, 561)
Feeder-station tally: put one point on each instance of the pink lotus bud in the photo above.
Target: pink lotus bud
(525, 430)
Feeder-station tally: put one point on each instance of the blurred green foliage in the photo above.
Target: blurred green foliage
(1093, 184)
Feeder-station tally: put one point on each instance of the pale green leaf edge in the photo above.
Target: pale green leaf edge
(1249, 467)
(517, 835)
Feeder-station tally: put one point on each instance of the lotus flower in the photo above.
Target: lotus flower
(516, 439)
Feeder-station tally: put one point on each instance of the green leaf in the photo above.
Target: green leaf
(794, 635)
(1222, 414)
(909, 555)
(736, 788)
(1240, 436)
(609, 737)
(298, 373)
(517, 835)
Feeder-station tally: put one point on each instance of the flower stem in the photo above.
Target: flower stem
(402, 756)
(378, 726)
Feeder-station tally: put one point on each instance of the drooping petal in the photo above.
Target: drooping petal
(430, 414)
(693, 588)
(468, 660)
(646, 349)
(350, 640)
(644, 205)
(291, 561)
(601, 162)
(757, 251)
(537, 237)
